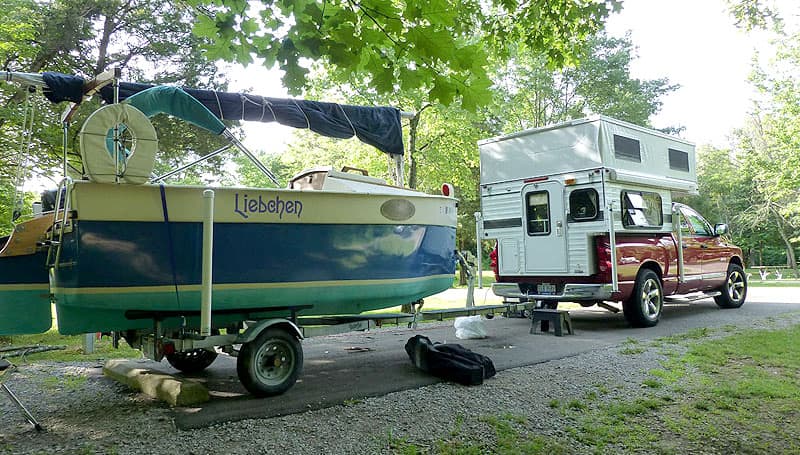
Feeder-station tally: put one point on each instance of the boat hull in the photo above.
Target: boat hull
(24, 295)
(123, 271)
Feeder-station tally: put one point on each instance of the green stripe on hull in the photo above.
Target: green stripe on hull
(25, 311)
(99, 311)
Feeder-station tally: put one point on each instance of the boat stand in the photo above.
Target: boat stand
(6, 366)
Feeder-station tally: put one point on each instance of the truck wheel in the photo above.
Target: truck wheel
(193, 361)
(643, 307)
(270, 364)
(734, 290)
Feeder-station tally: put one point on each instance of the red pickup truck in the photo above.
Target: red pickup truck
(583, 211)
(651, 271)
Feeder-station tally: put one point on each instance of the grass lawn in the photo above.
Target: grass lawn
(735, 394)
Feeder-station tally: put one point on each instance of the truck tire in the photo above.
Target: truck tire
(734, 290)
(643, 307)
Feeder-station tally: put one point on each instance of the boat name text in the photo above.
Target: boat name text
(246, 206)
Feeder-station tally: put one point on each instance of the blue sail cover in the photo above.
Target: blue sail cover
(376, 126)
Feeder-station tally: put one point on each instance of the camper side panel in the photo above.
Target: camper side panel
(501, 206)
(646, 153)
(540, 152)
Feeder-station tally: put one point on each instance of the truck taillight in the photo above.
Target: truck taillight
(493, 263)
(603, 256)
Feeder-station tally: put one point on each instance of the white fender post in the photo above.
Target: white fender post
(208, 248)
(478, 241)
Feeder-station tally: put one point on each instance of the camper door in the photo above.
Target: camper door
(545, 239)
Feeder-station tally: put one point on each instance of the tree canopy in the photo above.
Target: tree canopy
(441, 47)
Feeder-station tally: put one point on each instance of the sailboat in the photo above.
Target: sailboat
(119, 251)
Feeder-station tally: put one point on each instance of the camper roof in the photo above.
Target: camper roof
(590, 143)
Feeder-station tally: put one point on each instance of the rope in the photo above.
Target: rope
(355, 133)
(24, 143)
(169, 243)
(308, 122)
(219, 106)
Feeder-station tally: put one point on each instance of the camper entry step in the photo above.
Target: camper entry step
(560, 319)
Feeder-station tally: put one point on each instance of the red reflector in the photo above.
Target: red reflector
(447, 190)
(169, 349)
(536, 179)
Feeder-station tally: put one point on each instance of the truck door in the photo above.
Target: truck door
(545, 239)
(714, 263)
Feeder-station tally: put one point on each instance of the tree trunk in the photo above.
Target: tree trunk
(790, 258)
(413, 127)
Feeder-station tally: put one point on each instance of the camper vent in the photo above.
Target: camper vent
(678, 160)
(627, 148)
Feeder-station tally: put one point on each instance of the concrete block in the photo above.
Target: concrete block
(157, 384)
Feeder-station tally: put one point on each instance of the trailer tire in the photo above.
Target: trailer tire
(734, 290)
(193, 361)
(643, 308)
(270, 364)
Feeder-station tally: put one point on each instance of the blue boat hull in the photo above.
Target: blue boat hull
(24, 295)
(112, 272)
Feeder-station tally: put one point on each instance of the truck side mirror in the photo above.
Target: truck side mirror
(720, 229)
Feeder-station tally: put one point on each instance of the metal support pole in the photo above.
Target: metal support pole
(612, 236)
(470, 272)
(676, 226)
(65, 145)
(208, 248)
(88, 343)
(238, 144)
(478, 243)
(28, 416)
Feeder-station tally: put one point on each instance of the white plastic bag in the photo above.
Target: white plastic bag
(469, 327)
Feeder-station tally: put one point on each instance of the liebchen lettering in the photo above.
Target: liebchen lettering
(246, 206)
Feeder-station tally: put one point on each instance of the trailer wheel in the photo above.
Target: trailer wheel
(193, 361)
(270, 364)
(643, 307)
(734, 290)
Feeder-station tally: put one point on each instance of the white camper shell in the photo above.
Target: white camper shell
(547, 192)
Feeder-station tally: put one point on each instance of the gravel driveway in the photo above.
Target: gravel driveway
(84, 412)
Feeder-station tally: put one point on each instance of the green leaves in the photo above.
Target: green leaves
(438, 45)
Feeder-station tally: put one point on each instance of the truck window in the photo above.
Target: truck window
(538, 213)
(699, 224)
(641, 209)
(583, 204)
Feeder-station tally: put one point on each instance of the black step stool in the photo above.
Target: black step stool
(560, 319)
(6, 366)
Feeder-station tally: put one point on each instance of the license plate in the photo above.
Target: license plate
(545, 289)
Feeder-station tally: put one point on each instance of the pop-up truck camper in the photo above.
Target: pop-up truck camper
(583, 211)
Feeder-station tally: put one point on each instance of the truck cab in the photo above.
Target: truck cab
(583, 212)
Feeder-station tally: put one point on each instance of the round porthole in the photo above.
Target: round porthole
(398, 209)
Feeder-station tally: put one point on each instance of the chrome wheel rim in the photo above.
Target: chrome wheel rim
(275, 361)
(736, 286)
(650, 299)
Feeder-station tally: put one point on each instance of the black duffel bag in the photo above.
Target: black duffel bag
(452, 362)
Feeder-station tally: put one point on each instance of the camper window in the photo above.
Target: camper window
(627, 148)
(538, 213)
(583, 204)
(678, 160)
(641, 209)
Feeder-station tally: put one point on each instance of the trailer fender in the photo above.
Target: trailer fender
(254, 331)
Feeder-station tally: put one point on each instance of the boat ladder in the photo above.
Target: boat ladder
(61, 224)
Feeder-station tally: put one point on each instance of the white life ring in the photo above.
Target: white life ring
(98, 161)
